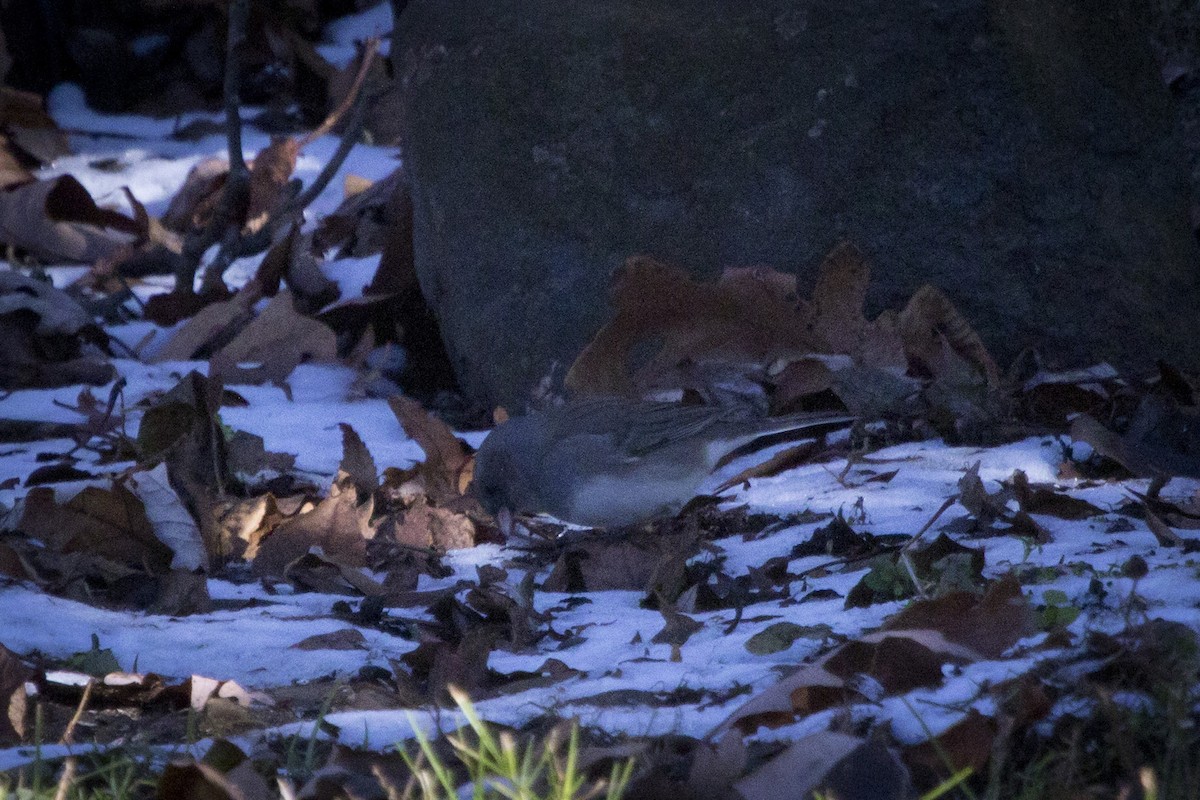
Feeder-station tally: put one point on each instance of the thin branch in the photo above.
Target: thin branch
(370, 49)
(345, 145)
(236, 191)
(68, 736)
(248, 245)
(225, 223)
(235, 40)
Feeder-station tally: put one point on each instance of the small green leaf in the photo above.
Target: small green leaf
(1055, 617)
(782, 635)
(1055, 597)
(95, 662)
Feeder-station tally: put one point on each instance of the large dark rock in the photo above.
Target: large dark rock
(1017, 153)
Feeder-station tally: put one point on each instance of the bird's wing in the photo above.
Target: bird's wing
(638, 428)
(635, 428)
(656, 425)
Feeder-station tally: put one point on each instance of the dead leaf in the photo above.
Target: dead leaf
(169, 519)
(678, 629)
(57, 220)
(211, 328)
(109, 523)
(280, 339)
(1162, 440)
(29, 128)
(361, 225)
(355, 184)
(292, 258)
(269, 174)
(344, 639)
(988, 625)
(181, 592)
(192, 780)
(931, 327)
(12, 171)
(967, 744)
(49, 340)
(13, 677)
(446, 469)
(750, 316)
(338, 525)
(801, 767)
(1039, 499)
(243, 524)
(426, 526)
(640, 563)
(1162, 532)
(715, 766)
(193, 205)
(357, 462)
(315, 573)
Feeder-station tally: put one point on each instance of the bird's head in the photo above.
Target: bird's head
(504, 466)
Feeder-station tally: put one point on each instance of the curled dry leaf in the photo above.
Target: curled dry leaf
(360, 225)
(30, 135)
(339, 525)
(13, 676)
(193, 205)
(48, 339)
(446, 471)
(1162, 440)
(109, 523)
(801, 766)
(57, 220)
(749, 316)
(933, 329)
(170, 519)
(269, 174)
(832, 764)
(959, 628)
(243, 524)
(12, 171)
(291, 258)
(357, 462)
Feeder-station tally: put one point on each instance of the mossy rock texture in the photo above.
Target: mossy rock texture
(1019, 154)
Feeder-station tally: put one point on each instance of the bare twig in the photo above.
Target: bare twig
(951, 500)
(235, 39)
(262, 239)
(345, 145)
(236, 244)
(236, 192)
(370, 49)
(67, 780)
(69, 733)
(905, 557)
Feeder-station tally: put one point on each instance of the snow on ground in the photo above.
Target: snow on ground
(613, 650)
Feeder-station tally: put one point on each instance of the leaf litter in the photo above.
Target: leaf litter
(241, 530)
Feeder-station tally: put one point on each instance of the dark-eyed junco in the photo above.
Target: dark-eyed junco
(604, 462)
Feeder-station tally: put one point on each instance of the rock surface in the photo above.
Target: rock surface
(1019, 154)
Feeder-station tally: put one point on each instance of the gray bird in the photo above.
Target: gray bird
(605, 462)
